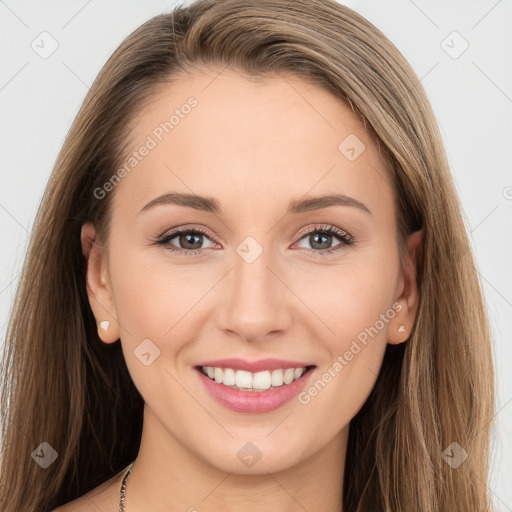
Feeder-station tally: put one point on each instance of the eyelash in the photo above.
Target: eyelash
(343, 236)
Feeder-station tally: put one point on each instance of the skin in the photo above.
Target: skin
(254, 147)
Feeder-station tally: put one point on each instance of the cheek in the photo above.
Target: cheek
(356, 307)
(349, 299)
(151, 296)
(155, 307)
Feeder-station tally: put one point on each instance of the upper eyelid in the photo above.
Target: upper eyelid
(179, 230)
(324, 227)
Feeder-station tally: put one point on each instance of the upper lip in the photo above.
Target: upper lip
(254, 366)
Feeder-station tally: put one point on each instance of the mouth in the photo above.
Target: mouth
(258, 392)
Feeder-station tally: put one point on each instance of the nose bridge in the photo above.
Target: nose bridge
(255, 304)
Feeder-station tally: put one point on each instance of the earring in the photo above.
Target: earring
(104, 325)
(401, 328)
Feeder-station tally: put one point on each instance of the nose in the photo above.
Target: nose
(254, 303)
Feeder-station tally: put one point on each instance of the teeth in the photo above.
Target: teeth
(229, 377)
(277, 378)
(260, 381)
(288, 375)
(242, 379)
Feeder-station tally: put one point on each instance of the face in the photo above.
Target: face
(257, 271)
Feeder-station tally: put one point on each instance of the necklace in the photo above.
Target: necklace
(122, 493)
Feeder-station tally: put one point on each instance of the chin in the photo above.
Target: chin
(257, 457)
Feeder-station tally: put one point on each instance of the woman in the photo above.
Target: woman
(249, 283)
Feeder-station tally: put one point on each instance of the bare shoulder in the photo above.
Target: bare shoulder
(103, 498)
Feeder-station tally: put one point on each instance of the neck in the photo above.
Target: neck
(168, 476)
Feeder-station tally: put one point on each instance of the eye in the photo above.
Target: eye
(189, 240)
(320, 237)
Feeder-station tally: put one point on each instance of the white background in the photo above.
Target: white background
(471, 96)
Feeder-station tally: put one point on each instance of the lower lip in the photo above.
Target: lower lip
(254, 401)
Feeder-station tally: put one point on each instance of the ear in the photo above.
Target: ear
(400, 326)
(98, 286)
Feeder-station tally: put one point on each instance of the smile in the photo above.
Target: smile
(254, 392)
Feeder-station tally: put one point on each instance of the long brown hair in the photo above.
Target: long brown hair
(63, 386)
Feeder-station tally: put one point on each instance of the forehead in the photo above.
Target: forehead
(241, 141)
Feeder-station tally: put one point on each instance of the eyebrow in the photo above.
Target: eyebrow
(211, 205)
